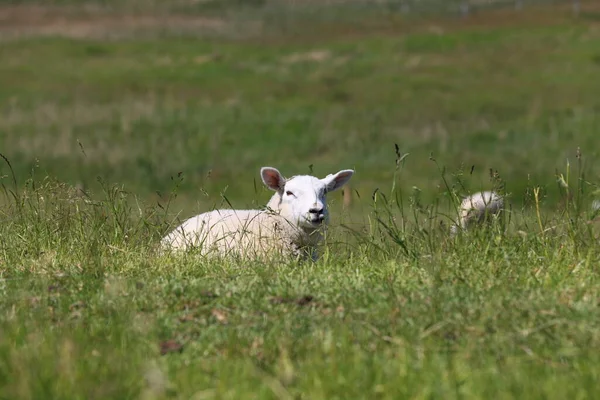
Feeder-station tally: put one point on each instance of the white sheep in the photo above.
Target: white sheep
(478, 208)
(291, 225)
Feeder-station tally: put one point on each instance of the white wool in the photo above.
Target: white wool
(246, 233)
(478, 208)
(292, 225)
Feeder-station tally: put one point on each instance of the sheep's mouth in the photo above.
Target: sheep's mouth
(316, 220)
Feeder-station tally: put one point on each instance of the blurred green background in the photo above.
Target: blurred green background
(140, 91)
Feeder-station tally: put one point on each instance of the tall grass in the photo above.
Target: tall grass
(397, 308)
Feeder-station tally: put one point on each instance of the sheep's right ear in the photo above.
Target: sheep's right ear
(272, 178)
(336, 181)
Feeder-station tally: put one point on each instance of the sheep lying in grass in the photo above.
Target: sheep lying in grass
(292, 224)
(477, 209)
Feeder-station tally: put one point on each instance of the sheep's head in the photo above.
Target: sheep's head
(301, 199)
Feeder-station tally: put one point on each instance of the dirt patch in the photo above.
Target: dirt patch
(170, 346)
(300, 301)
(19, 21)
(85, 22)
(311, 56)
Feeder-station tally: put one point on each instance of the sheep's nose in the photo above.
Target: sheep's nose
(316, 210)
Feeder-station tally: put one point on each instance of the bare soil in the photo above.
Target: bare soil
(89, 23)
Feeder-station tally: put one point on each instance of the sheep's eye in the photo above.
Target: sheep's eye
(289, 193)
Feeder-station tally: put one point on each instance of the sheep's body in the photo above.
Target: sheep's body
(478, 209)
(244, 233)
(291, 226)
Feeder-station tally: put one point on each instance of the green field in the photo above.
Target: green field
(119, 118)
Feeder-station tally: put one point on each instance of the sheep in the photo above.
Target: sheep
(478, 209)
(292, 224)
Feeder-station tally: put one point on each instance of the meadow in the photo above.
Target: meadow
(117, 119)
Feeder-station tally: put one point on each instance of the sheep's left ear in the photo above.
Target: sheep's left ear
(272, 178)
(336, 181)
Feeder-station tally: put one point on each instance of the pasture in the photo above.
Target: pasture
(118, 119)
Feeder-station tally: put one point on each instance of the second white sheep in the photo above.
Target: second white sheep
(477, 209)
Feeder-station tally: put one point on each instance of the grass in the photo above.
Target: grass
(395, 307)
(91, 310)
